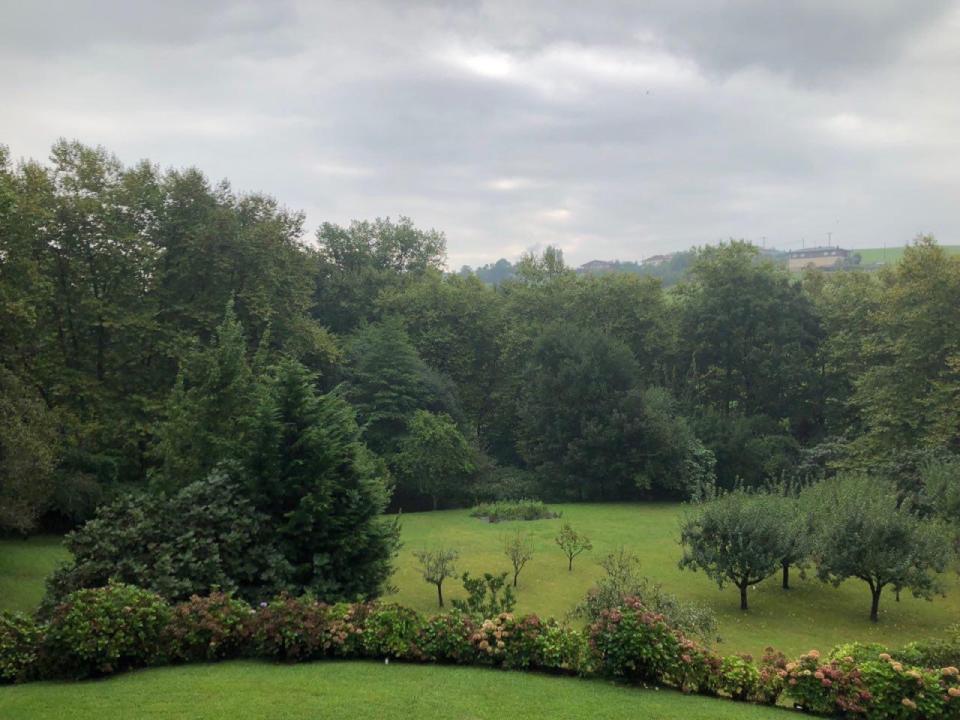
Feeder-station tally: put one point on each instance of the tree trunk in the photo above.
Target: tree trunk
(786, 576)
(440, 594)
(434, 497)
(515, 576)
(569, 564)
(875, 605)
(743, 597)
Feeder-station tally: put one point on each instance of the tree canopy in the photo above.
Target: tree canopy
(723, 369)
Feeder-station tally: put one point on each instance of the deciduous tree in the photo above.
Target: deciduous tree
(436, 566)
(433, 458)
(732, 539)
(572, 543)
(519, 551)
(864, 531)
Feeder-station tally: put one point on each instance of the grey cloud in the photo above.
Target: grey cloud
(809, 40)
(617, 130)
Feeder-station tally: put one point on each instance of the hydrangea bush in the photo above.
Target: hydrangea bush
(19, 642)
(104, 630)
(110, 629)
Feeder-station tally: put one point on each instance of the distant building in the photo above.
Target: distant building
(597, 266)
(821, 257)
(655, 260)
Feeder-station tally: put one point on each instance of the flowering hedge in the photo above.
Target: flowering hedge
(207, 628)
(19, 644)
(110, 629)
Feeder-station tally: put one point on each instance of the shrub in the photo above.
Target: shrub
(857, 652)
(739, 677)
(205, 536)
(936, 653)
(773, 674)
(20, 638)
(447, 638)
(622, 580)
(561, 649)
(207, 628)
(634, 643)
(345, 628)
(483, 595)
(392, 631)
(290, 629)
(105, 630)
(513, 510)
(508, 642)
(834, 688)
(897, 691)
(295, 629)
(698, 670)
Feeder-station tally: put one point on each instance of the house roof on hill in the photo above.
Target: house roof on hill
(823, 250)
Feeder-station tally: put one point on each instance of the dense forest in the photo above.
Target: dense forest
(157, 327)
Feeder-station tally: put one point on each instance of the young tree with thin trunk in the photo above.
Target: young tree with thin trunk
(572, 543)
(519, 550)
(436, 566)
(865, 531)
(733, 539)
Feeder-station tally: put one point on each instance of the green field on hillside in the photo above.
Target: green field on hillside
(811, 615)
(356, 690)
(891, 255)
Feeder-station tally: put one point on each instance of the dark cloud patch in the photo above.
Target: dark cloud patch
(810, 41)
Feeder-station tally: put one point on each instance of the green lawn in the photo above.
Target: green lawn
(355, 690)
(892, 255)
(812, 615)
(24, 564)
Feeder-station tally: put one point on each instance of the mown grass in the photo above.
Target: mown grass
(24, 566)
(811, 615)
(355, 690)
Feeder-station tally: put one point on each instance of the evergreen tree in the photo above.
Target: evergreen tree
(387, 383)
(324, 492)
(208, 412)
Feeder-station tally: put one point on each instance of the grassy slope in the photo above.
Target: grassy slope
(356, 690)
(24, 564)
(811, 615)
(891, 255)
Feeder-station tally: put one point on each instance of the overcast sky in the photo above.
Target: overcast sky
(614, 130)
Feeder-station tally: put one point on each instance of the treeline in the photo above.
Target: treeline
(669, 272)
(114, 281)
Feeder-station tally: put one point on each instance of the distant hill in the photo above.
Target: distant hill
(675, 265)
